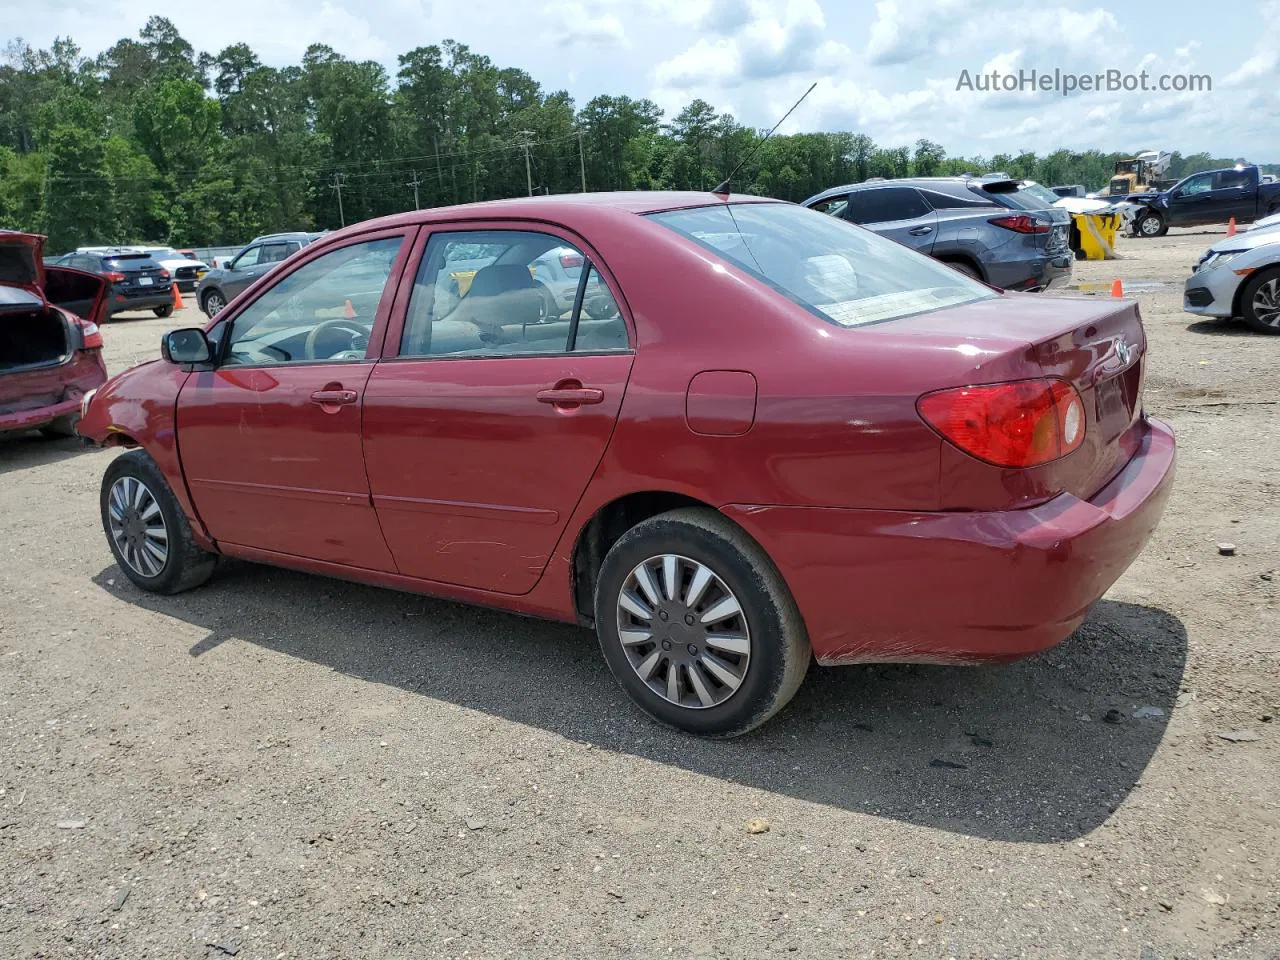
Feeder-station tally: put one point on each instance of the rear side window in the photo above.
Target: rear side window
(1227, 179)
(884, 204)
(490, 294)
(836, 271)
(961, 199)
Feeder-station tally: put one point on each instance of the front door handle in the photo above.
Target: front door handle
(920, 231)
(571, 395)
(332, 396)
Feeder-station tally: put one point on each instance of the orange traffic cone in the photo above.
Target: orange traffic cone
(1117, 287)
(348, 310)
(177, 298)
(1231, 227)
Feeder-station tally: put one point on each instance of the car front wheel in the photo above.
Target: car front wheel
(213, 303)
(147, 530)
(698, 626)
(163, 313)
(1260, 301)
(1150, 224)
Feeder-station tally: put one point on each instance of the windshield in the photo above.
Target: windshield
(840, 272)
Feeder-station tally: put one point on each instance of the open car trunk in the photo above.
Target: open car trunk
(32, 334)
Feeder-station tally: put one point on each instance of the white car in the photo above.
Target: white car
(1239, 277)
(184, 270)
(1266, 223)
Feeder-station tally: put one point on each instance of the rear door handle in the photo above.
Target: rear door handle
(329, 396)
(920, 231)
(571, 396)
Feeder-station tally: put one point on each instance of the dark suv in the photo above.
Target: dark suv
(994, 229)
(136, 281)
(221, 285)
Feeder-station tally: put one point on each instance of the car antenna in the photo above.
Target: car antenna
(723, 188)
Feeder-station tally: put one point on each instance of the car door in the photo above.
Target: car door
(1235, 194)
(243, 270)
(899, 213)
(270, 435)
(1191, 202)
(482, 425)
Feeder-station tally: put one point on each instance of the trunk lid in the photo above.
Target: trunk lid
(22, 260)
(1098, 346)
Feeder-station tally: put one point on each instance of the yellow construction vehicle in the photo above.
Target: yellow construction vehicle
(1139, 174)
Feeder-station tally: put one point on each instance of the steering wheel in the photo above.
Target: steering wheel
(339, 323)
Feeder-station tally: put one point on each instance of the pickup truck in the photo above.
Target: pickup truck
(1213, 196)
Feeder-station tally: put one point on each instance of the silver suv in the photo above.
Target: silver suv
(994, 229)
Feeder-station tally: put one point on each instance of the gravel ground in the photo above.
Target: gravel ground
(281, 766)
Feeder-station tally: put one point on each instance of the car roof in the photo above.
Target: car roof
(567, 208)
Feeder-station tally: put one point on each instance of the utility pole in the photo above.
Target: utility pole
(582, 162)
(439, 172)
(526, 140)
(336, 185)
(415, 183)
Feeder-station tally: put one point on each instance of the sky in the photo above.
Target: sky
(890, 69)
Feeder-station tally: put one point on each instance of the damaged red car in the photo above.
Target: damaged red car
(50, 344)
(758, 436)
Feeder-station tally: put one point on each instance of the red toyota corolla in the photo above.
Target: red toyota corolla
(757, 435)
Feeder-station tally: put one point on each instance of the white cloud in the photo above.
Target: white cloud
(570, 23)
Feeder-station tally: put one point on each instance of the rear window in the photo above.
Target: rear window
(127, 261)
(1018, 196)
(833, 269)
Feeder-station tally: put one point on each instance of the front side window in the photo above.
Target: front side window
(885, 204)
(247, 259)
(1199, 184)
(507, 293)
(323, 311)
(832, 206)
(836, 271)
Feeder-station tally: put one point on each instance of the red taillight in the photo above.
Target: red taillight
(1021, 223)
(1019, 424)
(164, 274)
(570, 260)
(91, 336)
(114, 277)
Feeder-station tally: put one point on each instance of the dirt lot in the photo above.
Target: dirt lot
(282, 766)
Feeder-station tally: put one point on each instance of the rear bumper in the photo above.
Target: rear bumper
(1034, 274)
(121, 304)
(60, 387)
(882, 586)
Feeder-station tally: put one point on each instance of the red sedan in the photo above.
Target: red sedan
(759, 436)
(50, 344)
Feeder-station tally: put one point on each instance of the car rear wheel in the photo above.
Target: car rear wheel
(1260, 301)
(548, 309)
(147, 530)
(213, 303)
(1150, 224)
(164, 312)
(698, 626)
(967, 269)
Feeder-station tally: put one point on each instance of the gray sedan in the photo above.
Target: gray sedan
(1239, 277)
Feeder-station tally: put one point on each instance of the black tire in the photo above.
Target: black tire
(1249, 309)
(213, 302)
(62, 427)
(1150, 224)
(779, 651)
(967, 269)
(165, 312)
(601, 307)
(186, 565)
(548, 309)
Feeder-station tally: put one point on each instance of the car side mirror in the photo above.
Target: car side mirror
(188, 345)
